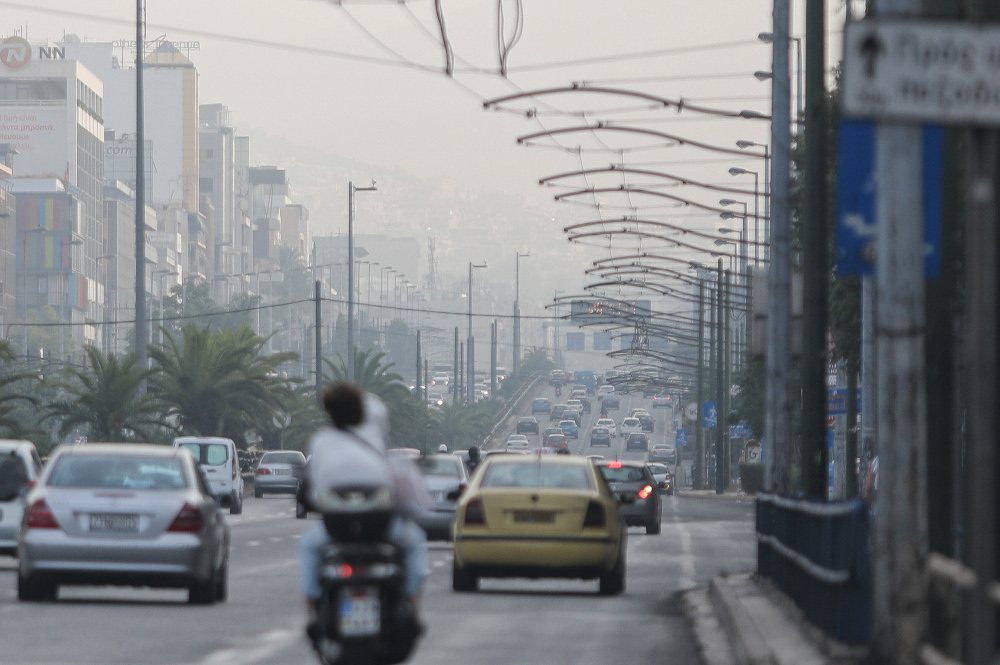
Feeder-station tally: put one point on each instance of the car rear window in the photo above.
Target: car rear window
(657, 468)
(536, 475)
(117, 472)
(208, 453)
(282, 458)
(437, 466)
(623, 474)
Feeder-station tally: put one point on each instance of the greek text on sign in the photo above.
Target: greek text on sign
(923, 71)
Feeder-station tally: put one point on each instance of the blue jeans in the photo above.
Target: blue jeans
(403, 533)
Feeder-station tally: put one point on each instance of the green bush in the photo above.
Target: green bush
(751, 477)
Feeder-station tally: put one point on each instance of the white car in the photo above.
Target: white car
(610, 424)
(17, 475)
(517, 442)
(605, 390)
(440, 379)
(631, 426)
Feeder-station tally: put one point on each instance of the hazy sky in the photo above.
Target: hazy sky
(364, 78)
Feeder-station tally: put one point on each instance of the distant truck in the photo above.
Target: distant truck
(587, 378)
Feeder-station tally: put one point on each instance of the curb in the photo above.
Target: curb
(748, 642)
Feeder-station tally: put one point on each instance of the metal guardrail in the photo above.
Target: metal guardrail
(819, 555)
(512, 406)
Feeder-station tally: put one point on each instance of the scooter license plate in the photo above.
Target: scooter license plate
(360, 612)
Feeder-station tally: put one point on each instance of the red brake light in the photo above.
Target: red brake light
(345, 570)
(614, 465)
(40, 516)
(645, 492)
(475, 514)
(236, 468)
(31, 483)
(188, 520)
(594, 516)
(263, 471)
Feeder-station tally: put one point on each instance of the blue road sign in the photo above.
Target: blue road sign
(711, 418)
(682, 438)
(739, 431)
(836, 401)
(856, 195)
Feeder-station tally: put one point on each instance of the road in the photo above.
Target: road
(509, 622)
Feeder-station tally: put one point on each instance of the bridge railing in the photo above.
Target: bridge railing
(819, 555)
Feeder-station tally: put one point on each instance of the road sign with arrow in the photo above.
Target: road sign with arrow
(935, 71)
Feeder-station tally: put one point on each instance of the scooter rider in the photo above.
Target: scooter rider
(353, 452)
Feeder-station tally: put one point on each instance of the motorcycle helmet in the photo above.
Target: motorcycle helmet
(443, 448)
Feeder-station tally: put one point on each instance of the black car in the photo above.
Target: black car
(585, 401)
(646, 422)
(526, 424)
(610, 403)
(637, 442)
(635, 477)
(600, 436)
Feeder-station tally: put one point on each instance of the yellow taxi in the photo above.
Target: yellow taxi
(539, 516)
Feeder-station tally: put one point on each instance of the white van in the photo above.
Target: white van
(216, 455)
(12, 491)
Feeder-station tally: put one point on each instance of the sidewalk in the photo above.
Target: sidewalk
(743, 620)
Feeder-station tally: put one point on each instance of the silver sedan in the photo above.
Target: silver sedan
(122, 514)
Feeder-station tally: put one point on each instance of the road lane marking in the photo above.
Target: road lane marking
(274, 565)
(687, 576)
(259, 650)
(253, 543)
(276, 539)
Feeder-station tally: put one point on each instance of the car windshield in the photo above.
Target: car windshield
(117, 472)
(622, 474)
(536, 475)
(282, 458)
(438, 466)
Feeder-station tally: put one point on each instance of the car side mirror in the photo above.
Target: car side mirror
(626, 498)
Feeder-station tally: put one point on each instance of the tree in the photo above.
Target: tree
(14, 395)
(219, 383)
(106, 399)
(460, 425)
(299, 418)
(536, 360)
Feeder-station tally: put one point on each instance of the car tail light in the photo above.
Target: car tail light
(236, 468)
(188, 520)
(31, 483)
(614, 465)
(475, 514)
(345, 570)
(594, 516)
(645, 492)
(263, 471)
(40, 516)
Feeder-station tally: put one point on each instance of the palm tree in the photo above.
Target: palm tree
(536, 360)
(217, 383)
(459, 425)
(12, 397)
(299, 419)
(108, 400)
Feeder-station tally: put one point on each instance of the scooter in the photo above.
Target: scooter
(558, 391)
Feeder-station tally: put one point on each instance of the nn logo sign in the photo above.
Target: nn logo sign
(15, 52)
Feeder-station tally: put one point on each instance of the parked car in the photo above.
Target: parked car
(539, 516)
(444, 474)
(278, 472)
(126, 515)
(19, 470)
(634, 478)
(216, 455)
(541, 405)
(637, 441)
(663, 477)
(600, 436)
(570, 429)
(527, 424)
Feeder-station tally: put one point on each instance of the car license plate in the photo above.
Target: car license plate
(282, 472)
(438, 495)
(360, 612)
(534, 516)
(114, 523)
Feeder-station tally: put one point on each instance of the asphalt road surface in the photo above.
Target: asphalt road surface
(508, 622)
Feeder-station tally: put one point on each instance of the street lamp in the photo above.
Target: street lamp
(351, 188)
(517, 311)
(735, 171)
(767, 38)
(470, 348)
(743, 144)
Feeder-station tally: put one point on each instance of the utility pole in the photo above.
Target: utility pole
(724, 408)
(457, 372)
(699, 451)
(141, 330)
(713, 361)
(319, 343)
(471, 345)
(720, 390)
(900, 582)
(815, 261)
(517, 312)
(493, 360)
(418, 385)
(779, 320)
